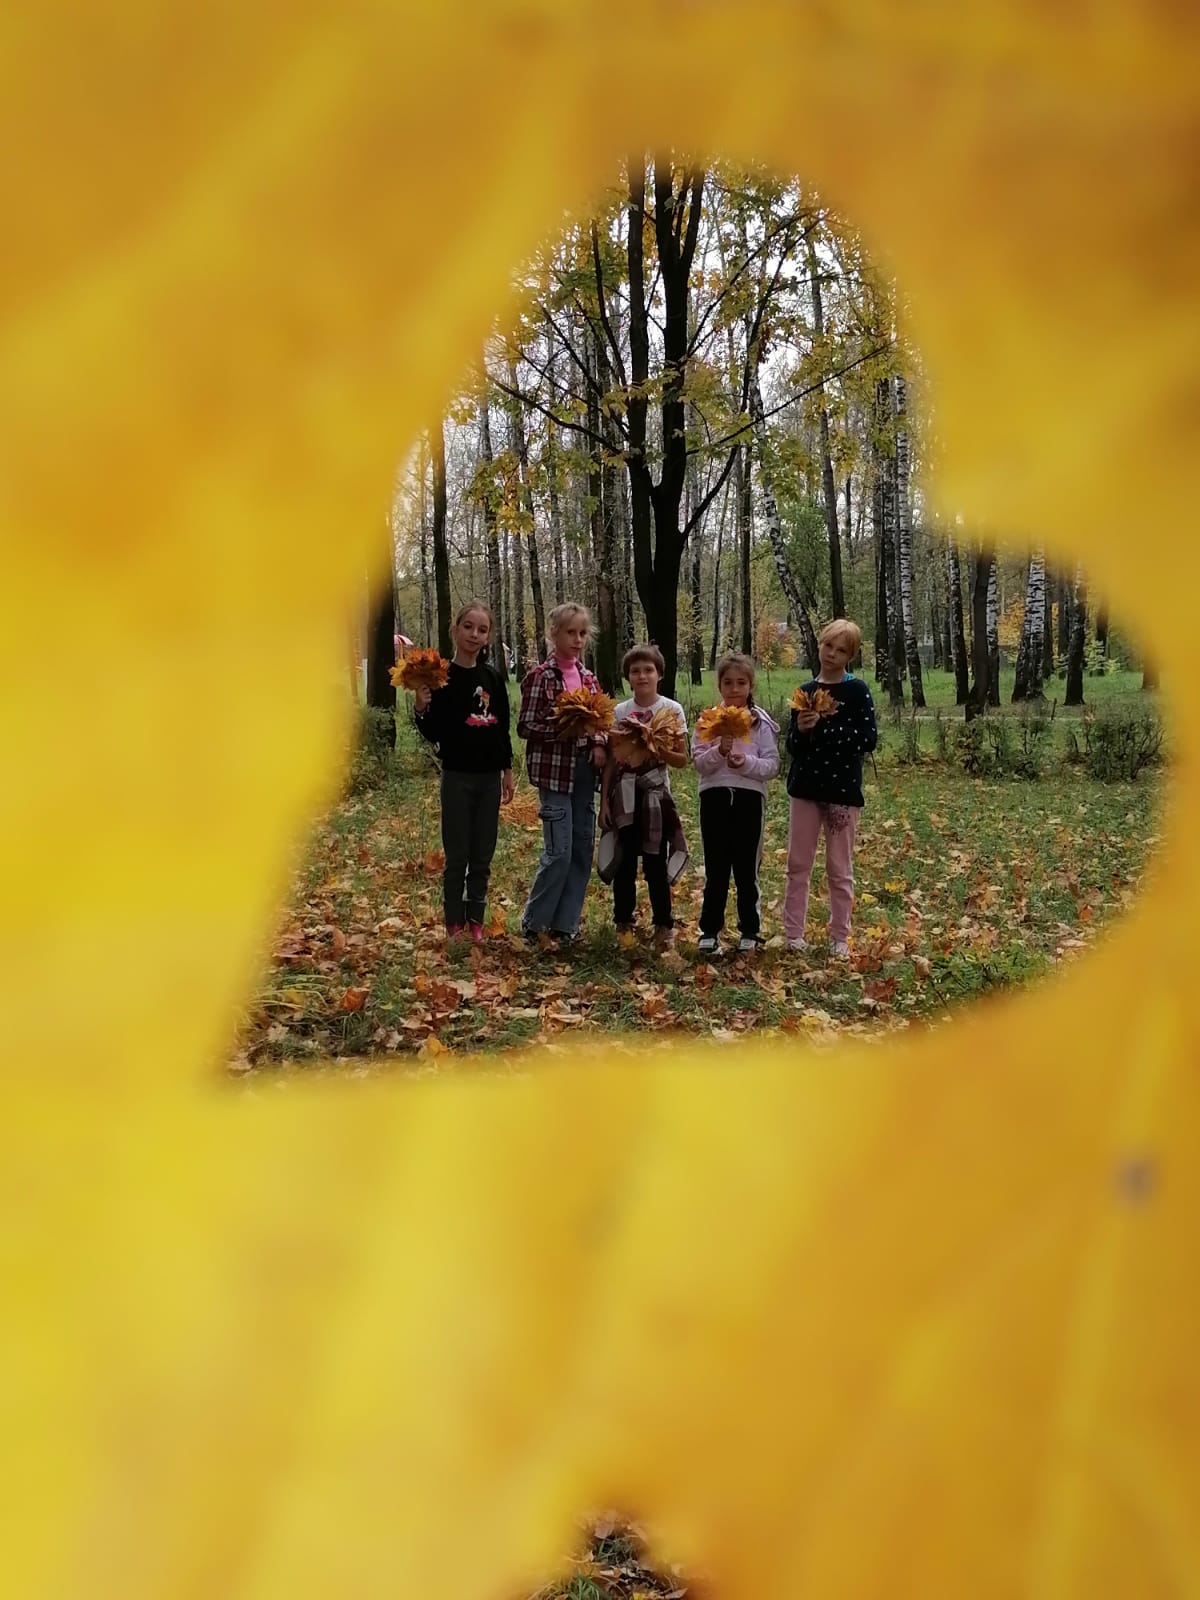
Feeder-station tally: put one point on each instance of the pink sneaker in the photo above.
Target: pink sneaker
(476, 932)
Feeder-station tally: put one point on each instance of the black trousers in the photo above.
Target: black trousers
(731, 828)
(625, 881)
(470, 824)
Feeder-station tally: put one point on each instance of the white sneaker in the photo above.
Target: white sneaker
(797, 945)
(709, 945)
(841, 950)
(747, 946)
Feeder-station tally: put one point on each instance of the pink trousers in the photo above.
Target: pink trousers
(804, 829)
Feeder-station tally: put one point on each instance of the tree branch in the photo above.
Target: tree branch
(792, 398)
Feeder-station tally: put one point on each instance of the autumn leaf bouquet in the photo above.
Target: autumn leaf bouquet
(820, 701)
(578, 713)
(639, 744)
(420, 669)
(723, 722)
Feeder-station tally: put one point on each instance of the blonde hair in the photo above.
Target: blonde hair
(844, 632)
(562, 614)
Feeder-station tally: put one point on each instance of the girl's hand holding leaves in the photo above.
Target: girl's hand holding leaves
(420, 669)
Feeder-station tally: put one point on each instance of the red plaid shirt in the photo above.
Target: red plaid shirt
(550, 762)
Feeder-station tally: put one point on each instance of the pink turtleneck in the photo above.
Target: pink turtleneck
(570, 672)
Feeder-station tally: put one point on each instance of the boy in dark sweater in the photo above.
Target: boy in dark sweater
(825, 784)
(468, 721)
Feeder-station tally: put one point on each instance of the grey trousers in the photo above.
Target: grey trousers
(470, 823)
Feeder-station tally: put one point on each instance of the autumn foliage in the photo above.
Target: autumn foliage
(579, 712)
(820, 701)
(646, 744)
(420, 669)
(721, 722)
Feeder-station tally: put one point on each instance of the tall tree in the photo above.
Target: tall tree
(889, 623)
(981, 574)
(658, 538)
(527, 522)
(1030, 653)
(745, 525)
(605, 641)
(958, 639)
(441, 557)
(486, 489)
(912, 655)
(381, 642)
(828, 490)
(1074, 690)
(993, 635)
(798, 601)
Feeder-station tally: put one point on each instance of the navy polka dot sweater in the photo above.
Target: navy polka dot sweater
(827, 761)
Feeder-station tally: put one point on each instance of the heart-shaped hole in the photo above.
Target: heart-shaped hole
(704, 432)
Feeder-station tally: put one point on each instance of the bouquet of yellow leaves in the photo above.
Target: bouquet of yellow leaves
(579, 712)
(647, 744)
(420, 669)
(720, 722)
(820, 701)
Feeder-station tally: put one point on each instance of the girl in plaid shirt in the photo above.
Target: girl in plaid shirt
(564, 772)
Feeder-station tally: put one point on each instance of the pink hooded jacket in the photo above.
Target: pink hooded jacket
(761, 750)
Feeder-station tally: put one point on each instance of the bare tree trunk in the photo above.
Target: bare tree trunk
(912, 655)
(745, 523)
(512, 638)
(495, 580)
(829, 492)
(1102, 628)
(981, 571)
(600, 491)
(1028, 682)
(957, 634)
(381, 639)
(1074, 691)
(441, 557)
(520, 445)
(552, 465)
(788, 582)
(993, 637)
(1064, 615)
(887, 493)
(718, 596)
(520, 629)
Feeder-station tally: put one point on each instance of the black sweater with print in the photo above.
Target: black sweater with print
(468, 720)
(827, 761)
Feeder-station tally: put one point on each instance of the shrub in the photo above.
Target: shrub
(373, 750)
(1118, 746)
(909, 729)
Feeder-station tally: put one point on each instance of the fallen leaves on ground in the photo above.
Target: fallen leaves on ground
(964, 887)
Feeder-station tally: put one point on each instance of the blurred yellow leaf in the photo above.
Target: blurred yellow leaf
(830, 1331)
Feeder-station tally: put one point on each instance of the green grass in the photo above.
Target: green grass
(966, 886)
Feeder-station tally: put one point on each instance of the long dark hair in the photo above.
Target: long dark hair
(743, 663)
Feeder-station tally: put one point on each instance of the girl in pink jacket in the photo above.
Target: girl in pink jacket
(733, 810)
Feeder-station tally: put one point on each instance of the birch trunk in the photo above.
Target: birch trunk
(492, 539)
(905, 549)
(962, 687)
(797, 601)
(887, 484)
(521, 445)
(993, 636)
(1028, 683)
(828, 490)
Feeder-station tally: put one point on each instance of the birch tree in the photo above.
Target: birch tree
(905, 542)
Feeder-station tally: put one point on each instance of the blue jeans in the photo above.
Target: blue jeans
(555, 902)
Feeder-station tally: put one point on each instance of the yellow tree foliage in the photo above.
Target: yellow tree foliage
(926, 1323)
